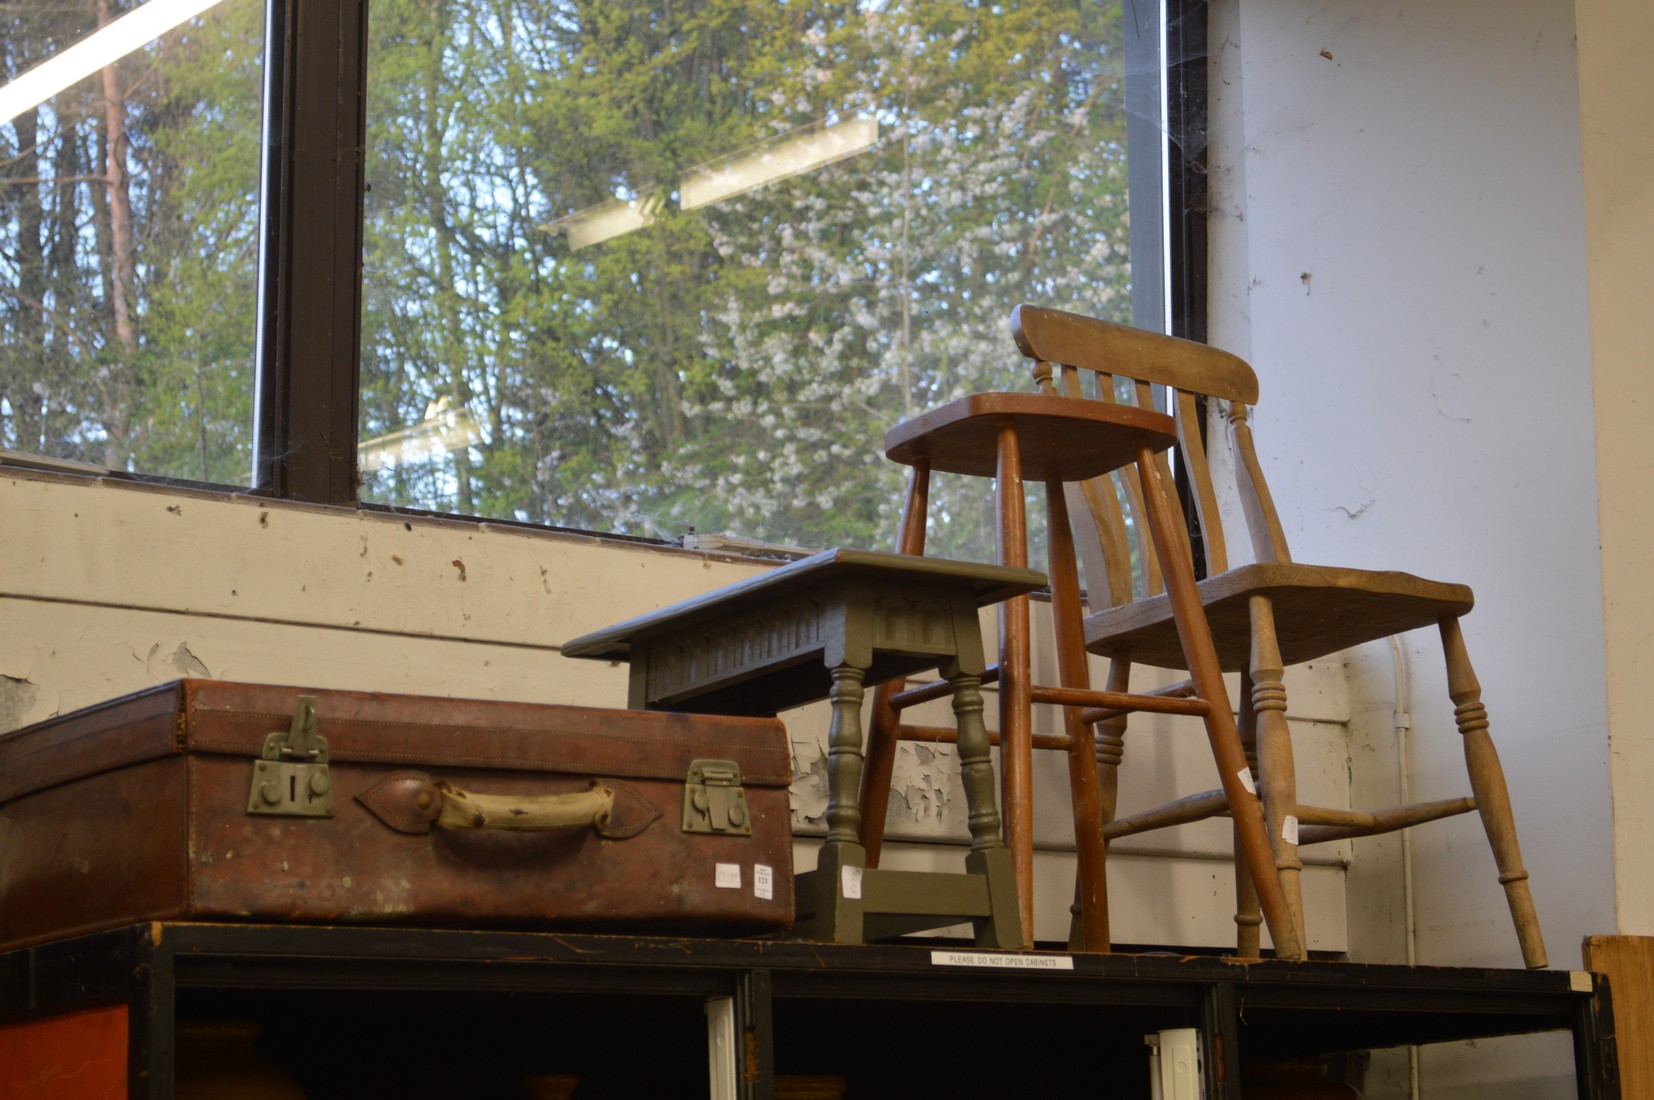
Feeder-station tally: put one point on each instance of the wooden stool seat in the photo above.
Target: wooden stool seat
(1061, 439)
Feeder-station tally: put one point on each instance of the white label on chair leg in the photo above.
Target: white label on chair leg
(1246, 780)
(763, 881)
(1289, 829)
(851, 877)
(727, 876)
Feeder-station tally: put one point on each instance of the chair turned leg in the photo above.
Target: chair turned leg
(1109, 751)
(1207, 675)
(1016, 744)
(1248, 917)
(1487, 783)
(1088, 927)
(884, 728)
(1277, 773)
(879, 769)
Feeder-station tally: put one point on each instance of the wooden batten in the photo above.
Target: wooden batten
(1628, 961)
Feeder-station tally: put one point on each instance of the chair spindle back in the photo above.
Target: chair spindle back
(1118, 558)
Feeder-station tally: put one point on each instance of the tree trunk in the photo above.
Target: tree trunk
(115, 386)
(30, 349)
(452, 338)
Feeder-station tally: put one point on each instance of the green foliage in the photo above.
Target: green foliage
(728, 367)
(177, 399)
(731, 367)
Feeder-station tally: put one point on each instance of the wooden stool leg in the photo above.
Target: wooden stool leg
(1487, 783)
(988, 856)
(1277, 772)
(835, 886)
(976, 769)
(1207, 676)
(885, 724)
(1248, 920)
(1089, 929)
(844, 756)
(1016, 747)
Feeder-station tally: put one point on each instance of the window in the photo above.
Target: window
(626, 266)
(129, 235)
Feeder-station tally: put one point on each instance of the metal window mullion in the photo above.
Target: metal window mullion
(305, 418)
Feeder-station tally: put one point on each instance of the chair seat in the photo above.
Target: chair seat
(1318, 610)
(1070, 439)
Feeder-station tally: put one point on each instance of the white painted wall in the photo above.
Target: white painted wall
(107, 587)
(1399, 248)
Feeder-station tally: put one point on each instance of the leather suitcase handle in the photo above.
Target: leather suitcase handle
(414, 802)
(462, 809)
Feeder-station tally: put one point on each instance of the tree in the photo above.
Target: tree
(725, 365)
(128, 230)
(731, 366)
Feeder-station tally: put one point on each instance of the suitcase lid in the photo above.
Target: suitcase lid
(220, 717)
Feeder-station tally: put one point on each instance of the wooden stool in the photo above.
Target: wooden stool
(1058, 441)
(819, 628)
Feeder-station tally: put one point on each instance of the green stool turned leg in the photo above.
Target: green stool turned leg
(988, 856)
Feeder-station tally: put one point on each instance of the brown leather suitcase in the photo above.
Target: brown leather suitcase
(219, 801)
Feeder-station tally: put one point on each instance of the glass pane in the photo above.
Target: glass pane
(655, 268)
(129, 167)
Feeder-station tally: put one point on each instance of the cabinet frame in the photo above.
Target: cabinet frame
(1267, 1006)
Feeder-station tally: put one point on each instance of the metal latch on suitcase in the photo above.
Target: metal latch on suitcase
(713, 801)
(291, 779)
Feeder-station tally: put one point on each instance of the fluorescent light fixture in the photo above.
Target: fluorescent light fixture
(608, 219)
(443, 430)
(98, 49)
(791, 154)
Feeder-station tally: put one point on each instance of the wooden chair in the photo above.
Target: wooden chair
(1262, 617)
(1063, 442)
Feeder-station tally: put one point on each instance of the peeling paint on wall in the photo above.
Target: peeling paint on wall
(929, 778)
(180, 662)
(17, 698)
(925, 785)
(809, 785)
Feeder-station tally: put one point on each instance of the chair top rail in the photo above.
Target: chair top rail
(1072, 340)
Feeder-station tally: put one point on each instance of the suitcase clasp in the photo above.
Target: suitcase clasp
(291, 777)
(713, 801)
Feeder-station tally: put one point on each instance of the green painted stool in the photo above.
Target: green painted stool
(821, 628)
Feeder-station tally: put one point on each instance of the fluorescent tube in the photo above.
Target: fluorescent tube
(443, 431)
(98, 49)
(607, 219)
(790, 155)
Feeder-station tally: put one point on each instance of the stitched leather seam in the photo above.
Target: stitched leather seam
(533, 763)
